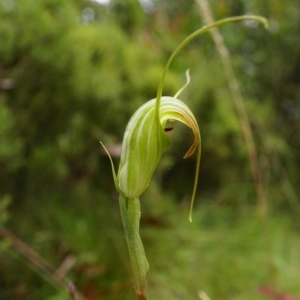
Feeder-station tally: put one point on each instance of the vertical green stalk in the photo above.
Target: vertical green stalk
(130, 212)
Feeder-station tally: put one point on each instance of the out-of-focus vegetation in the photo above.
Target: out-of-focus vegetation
(72, 73)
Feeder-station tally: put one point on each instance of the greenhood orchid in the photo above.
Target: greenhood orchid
(144, 142)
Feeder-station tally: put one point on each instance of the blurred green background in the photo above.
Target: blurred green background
(72, 73)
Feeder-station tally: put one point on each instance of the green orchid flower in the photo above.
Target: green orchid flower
(144, 142)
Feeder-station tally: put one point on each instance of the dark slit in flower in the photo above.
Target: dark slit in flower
(168, 129)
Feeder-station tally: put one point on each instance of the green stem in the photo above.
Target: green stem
(130, 213)
(191, 37)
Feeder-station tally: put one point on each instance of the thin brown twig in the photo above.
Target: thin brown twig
(217, 37)
(40, 263)
(239, 103)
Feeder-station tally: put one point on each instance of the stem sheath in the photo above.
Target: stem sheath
(130, 213)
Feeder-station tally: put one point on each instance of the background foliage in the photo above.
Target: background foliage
(72, 73)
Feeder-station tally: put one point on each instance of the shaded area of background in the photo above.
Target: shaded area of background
(72, 73)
